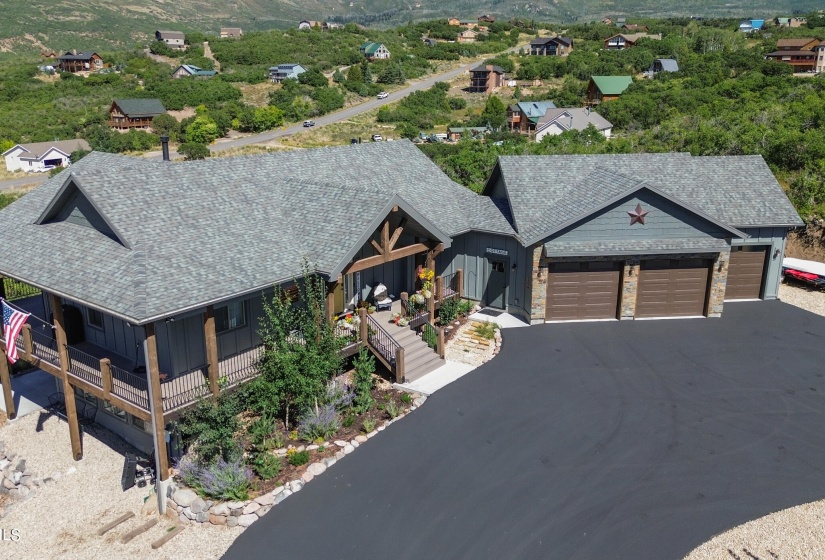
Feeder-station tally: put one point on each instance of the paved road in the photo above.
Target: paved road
(620, 440)
(14, 184)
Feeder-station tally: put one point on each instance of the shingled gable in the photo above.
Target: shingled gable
(72, 204)
(603, 188)
(739, 191)
(394, 201)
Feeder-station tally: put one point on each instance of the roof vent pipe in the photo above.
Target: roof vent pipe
(164, 141)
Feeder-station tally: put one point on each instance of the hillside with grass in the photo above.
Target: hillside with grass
(29, 26)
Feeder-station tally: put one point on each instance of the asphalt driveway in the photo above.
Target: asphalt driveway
(614, 440)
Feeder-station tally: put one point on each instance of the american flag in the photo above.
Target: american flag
(13, 321)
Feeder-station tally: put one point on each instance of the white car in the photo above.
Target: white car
(383, 95)
(376, 138)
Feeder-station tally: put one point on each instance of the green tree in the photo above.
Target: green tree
(165, 124)
(194, 150)
(355, 75)
(313, 77)
(202, 130)
(391, 74)
(494, 114)
(302, 352)
(267, 118)
(365, 71)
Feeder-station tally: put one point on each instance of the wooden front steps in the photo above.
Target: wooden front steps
(419, 358)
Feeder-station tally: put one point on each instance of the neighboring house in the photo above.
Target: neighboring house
(620, 22)
(801, 54)
(467, 36)
(185, 70)
(607, 21)
(173, 39)
(73, 61)
(231, 33)
(662, 65)
(486, 19)
(606, 88)
(156, 308)
(42, 156)
(635, 27)
(308, 24)
(523, 117)
(374, 51)
(469, 23)
(556, 121)
(751, 25)
(819, 51)
(485, 79)
(454, 21)
(278, 74)
(134, 113)
(790, 22)
(551, 46)
(49, 54)
(322, 25)
(456, 133)
(624, 41)
(429, 42)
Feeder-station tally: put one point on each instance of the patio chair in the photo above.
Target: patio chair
(381, 298)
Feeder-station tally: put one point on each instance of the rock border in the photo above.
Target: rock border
(18, 482)
(184, 504)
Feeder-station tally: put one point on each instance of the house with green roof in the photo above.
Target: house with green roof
(522, 117)
(374, 51)
(187, 70)
(605, 88)
(134, 113)
(149, 308)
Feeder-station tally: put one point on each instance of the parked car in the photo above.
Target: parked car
(307, 124)
(377, 138)
(383, 95)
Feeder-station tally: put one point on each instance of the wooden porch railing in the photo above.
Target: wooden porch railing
(384, 346)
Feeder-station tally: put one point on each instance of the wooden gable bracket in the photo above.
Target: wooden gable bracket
(385, 247)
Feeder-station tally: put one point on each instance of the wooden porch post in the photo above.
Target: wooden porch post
(106, 376)
(211, 337)
(439, 288)
(330, 307)
(431, 301)
(28, 348)
(5, 379)
(399, 365)
(363, 326)
(68, 390)
(459, 280)
(156, 404)
(440, 345)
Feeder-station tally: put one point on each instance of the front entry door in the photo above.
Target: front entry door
(496, 284)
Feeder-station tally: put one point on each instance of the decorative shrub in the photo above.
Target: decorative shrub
(261, 432)
(406, 398)
(369, 425)
(487, 330)
(364, 365)
(465, 306)
(267, 465)
(321, 422)
(297, 458)
(392, 409)
(224, 480)
(349, 420)
(449, 310)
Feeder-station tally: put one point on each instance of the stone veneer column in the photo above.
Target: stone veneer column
(538, 296)
(718, 284)
(630, 287)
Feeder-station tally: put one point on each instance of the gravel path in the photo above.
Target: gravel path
(61, 519)
(796, 532)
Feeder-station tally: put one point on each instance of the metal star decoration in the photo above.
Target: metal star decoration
(638, 215)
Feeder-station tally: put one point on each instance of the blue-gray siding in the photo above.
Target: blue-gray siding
(665, 220)
(469, 253)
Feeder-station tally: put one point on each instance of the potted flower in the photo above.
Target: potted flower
(371, 309)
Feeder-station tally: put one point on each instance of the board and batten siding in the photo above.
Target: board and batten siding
(774, 238)
(396, 275)
(469, 253)
(665, 220)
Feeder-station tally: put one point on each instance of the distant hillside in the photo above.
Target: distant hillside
(27, 26)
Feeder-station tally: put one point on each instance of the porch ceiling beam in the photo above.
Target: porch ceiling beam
(396, 234)
(396, 254)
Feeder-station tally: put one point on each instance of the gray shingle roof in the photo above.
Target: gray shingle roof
(140, 107)
(204, 231)
(573, 118)
(547, 191)
(37, 149)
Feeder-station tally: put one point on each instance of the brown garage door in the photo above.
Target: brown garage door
(745, 272)
(672, 288)
(582, 290)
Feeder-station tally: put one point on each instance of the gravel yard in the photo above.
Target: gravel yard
(792, 533)
(60, 520)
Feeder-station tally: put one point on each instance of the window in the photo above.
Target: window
(94, 318)
(232, 316)
(88, 397)
(140, 424)
(114, 411)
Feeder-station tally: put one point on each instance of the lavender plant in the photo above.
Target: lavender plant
(226, 480)
(320, 422)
